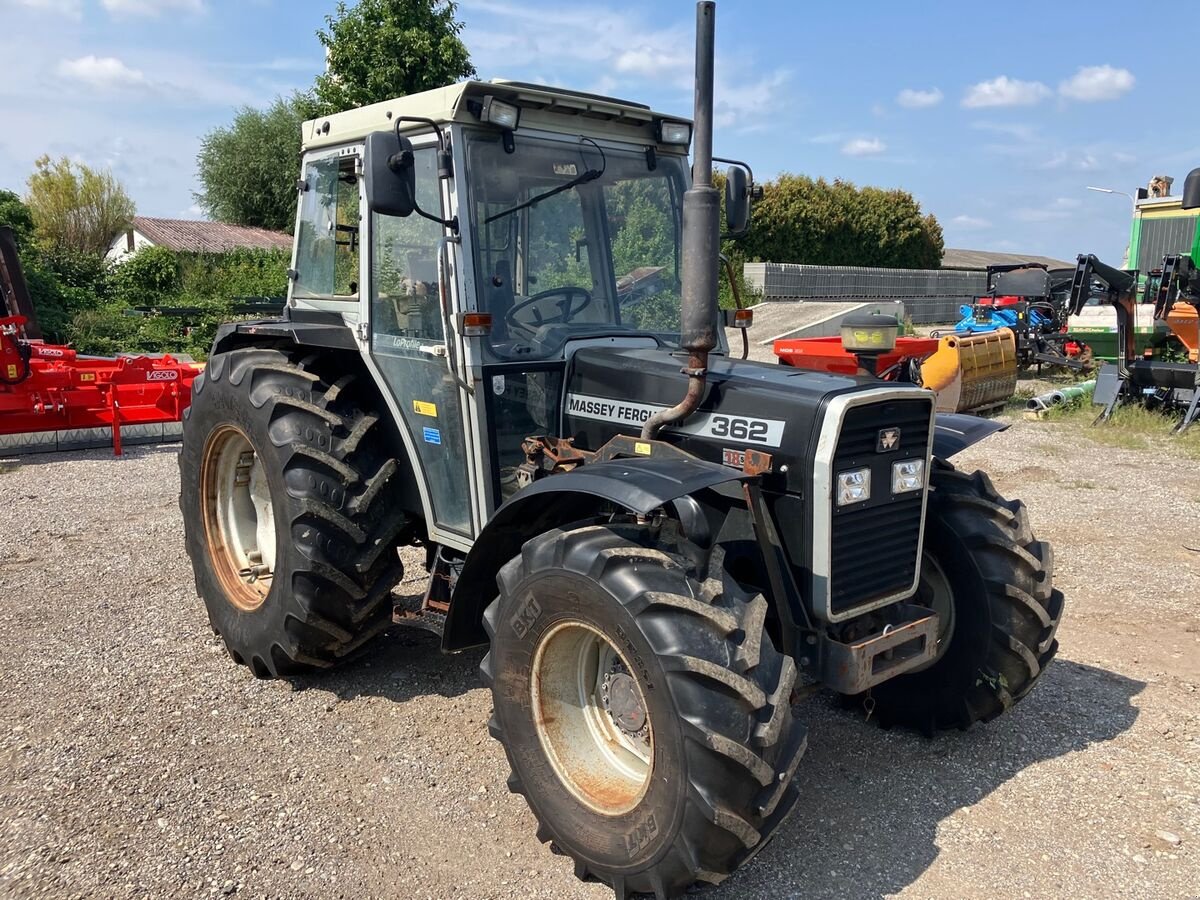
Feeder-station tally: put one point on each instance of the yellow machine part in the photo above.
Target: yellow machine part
(971, 372)
(1184, 322)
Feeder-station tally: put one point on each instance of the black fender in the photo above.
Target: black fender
(303, 328)
(955, 432)
(637, 485)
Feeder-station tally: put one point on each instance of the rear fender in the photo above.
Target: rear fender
(636, 485)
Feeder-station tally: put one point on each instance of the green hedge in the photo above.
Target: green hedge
(87, 303)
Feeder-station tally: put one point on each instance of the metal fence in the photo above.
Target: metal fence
(931, 296)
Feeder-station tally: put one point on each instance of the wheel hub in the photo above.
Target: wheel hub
(620, 699)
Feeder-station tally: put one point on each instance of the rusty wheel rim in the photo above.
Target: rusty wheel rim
(591, 718)
(239, 520)
(935, 592)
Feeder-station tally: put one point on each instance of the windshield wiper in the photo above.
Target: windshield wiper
(589, 175)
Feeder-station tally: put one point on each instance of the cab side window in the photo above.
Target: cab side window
(327, 255)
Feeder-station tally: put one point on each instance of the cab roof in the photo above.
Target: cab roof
(554, 109)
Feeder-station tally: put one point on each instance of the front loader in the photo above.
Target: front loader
(656, 542)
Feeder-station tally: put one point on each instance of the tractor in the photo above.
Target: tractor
(656, 543)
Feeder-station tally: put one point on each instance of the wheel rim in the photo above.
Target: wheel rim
(591, 718)
(239, 520)
(935, 592)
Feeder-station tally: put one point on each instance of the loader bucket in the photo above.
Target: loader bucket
(972, 372)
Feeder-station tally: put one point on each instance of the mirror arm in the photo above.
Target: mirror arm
(397, 162)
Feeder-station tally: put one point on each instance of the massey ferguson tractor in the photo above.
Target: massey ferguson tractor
(656, 543)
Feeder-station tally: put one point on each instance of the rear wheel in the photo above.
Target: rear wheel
(285, 485)
(991, 583)
(643, 708)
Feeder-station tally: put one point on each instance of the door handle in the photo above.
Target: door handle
(443, 276)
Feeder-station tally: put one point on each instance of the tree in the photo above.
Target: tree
(77, 208)
(15, 214)
(380, 49)
(801, 220)
(248, 171)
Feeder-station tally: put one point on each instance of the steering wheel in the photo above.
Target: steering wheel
(567, 307)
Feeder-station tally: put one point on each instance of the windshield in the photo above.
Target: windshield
(595, 252)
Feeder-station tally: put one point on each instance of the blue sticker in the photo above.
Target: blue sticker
(433, 436)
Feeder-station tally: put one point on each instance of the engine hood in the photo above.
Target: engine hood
(774, 408)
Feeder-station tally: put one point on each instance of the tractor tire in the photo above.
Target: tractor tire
(643, 707)
(284, 488)
(991, 582)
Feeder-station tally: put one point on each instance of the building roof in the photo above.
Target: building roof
(981, 259)
(207, 237)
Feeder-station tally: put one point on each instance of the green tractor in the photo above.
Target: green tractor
(502, 343)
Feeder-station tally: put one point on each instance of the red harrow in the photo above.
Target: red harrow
(51, 398)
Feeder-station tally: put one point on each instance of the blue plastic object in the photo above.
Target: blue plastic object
(986, 319)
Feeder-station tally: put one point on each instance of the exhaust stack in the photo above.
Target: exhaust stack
(701, 237)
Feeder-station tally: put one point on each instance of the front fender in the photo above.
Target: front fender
(955, 432)
(637, 485)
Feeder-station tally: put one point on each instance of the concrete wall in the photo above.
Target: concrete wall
(929, 295)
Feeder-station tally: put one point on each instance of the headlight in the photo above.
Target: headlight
(908, 475)
(501, 114)
(853, 486)
(674, 132)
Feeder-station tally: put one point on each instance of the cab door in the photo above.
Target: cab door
(408, 303)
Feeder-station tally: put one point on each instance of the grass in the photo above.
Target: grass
(1131, 427)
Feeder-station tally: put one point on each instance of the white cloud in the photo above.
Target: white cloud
(101, 72)
(651, 62)
(748, 105)
(912, 98)
(1005, 91)
(1019, 130)
(972, 223)
(626, 52)
(863, 147)
(151, 7)
(72, 8)
(1095, 83)
(1081, 160)
(1059, 208)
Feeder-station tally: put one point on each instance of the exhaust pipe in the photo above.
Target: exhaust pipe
(701, 237)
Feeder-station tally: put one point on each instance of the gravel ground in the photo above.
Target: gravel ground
(137, 760)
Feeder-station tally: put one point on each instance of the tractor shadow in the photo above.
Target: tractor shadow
(401, 664)
(871, 800)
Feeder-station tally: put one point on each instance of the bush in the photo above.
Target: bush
(802, 220)
(146, 278)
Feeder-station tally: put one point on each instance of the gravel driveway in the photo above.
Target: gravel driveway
(137, 760)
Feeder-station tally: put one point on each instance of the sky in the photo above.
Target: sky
(996, 117)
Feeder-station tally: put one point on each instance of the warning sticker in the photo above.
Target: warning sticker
(425, 408)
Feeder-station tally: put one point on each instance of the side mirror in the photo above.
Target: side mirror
(1191, 190)
(390, 174)
(737, 201)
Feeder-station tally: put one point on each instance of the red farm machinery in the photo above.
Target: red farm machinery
(52, 398)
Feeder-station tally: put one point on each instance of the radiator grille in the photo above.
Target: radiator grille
(875, 545)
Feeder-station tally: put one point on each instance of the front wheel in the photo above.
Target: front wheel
(991, 583)
(642, 705)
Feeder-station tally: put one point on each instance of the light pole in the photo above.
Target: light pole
(1101, 190)
(1132, 203)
